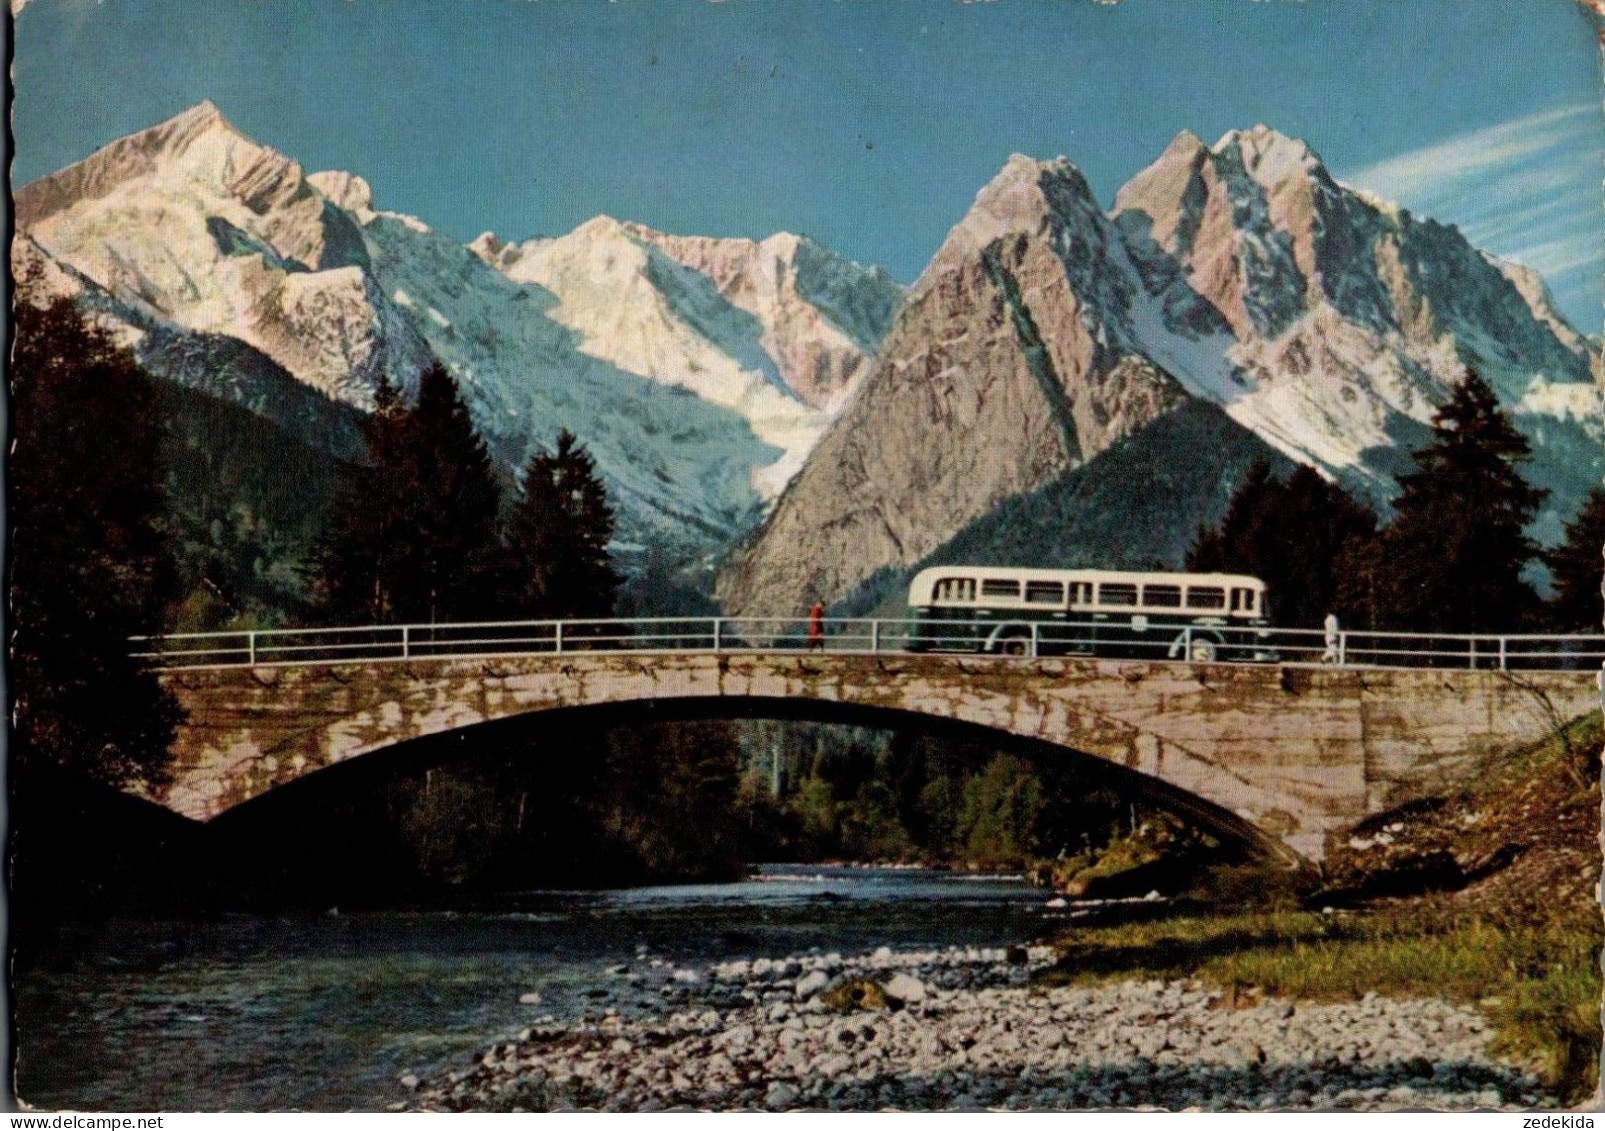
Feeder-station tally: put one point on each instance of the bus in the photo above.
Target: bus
(1090, 612)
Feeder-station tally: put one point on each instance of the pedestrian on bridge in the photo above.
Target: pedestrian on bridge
(1334, 638)
(816, 626)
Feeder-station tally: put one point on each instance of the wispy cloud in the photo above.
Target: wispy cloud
(1478, 154)
(1526, 190)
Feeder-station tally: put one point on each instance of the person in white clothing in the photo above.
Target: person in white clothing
(1331, 656)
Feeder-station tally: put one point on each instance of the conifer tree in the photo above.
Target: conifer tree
(558, 535)
(1576, 566)
(450, 542)
(1292, 535)
(1452, 557)
(90, 559)
(361, 550)
(413, 537)
(1218, 549)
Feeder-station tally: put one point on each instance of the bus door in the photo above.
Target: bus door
(1117, 631)
(1080, 637)
(1242, 610)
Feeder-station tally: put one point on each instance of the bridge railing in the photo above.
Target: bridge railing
(1105, 638)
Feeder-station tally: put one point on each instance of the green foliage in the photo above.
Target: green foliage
(1161, 852)
(1292, 533)
(1539, 984)
(247, 504)
(815, 809)
(90, 558)
(1452, 558)
(413, 536)
(557, 558)
(869, 827)
(941, 803)
(1575, 566)
(878, 796)
(1133, 505)
(574, 808)
(361, 554)
(669, 798)
(997, 823)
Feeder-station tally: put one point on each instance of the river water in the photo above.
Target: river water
(324, 1011)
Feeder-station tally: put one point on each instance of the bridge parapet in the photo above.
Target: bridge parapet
(1342, 648)
(1278, 754)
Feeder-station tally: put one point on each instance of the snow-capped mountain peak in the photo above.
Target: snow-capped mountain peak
(1327, 326)
(1268, 156)
(199, 146)
(238, 273)
(780, 325)
(1019, 199)
(345, 190)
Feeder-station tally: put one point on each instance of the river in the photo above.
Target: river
(325, 1011)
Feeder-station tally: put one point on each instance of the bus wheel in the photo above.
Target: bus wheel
(1014, 647)
(1203, 651)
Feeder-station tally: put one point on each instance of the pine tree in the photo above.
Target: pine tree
(450, 541)
(360, 553)
(413, 537)
(90, 559)
(1218, 549)
(1575, 565)
(1453, 556)
(558, 536)
(1291, 534)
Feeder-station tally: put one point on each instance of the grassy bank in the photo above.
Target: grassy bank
(1513, 928)
(1539, 985)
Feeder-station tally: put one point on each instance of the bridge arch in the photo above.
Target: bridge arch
(445, 746)
(1271, 753)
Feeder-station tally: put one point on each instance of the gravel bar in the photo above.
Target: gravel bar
(971, 1033)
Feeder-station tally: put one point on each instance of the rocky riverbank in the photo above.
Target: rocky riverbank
(966, 1029)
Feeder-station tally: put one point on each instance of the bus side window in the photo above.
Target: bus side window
(1081, 592)
(1242, 600)
(955, 589)
(1044, 593)
(1117, 593)
(1162, 596)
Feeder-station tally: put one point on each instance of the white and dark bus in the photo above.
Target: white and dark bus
(1089, 612)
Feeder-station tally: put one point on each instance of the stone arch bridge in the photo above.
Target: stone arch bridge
(1277, 755)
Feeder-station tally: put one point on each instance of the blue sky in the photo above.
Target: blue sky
(868, 124)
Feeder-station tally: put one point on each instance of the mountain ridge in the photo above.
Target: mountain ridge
(1327, 324)
(771, 392)
(192, 233)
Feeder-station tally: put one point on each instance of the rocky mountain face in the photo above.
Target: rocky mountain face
(699, 372)
(1349, 316)
(1012, 360)
(710, 377)
(777, 330)
(1327, 325)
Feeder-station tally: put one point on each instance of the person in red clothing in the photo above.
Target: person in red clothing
(816, 626)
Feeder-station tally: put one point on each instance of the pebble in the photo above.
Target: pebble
(905, 988)
(975, 1035)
